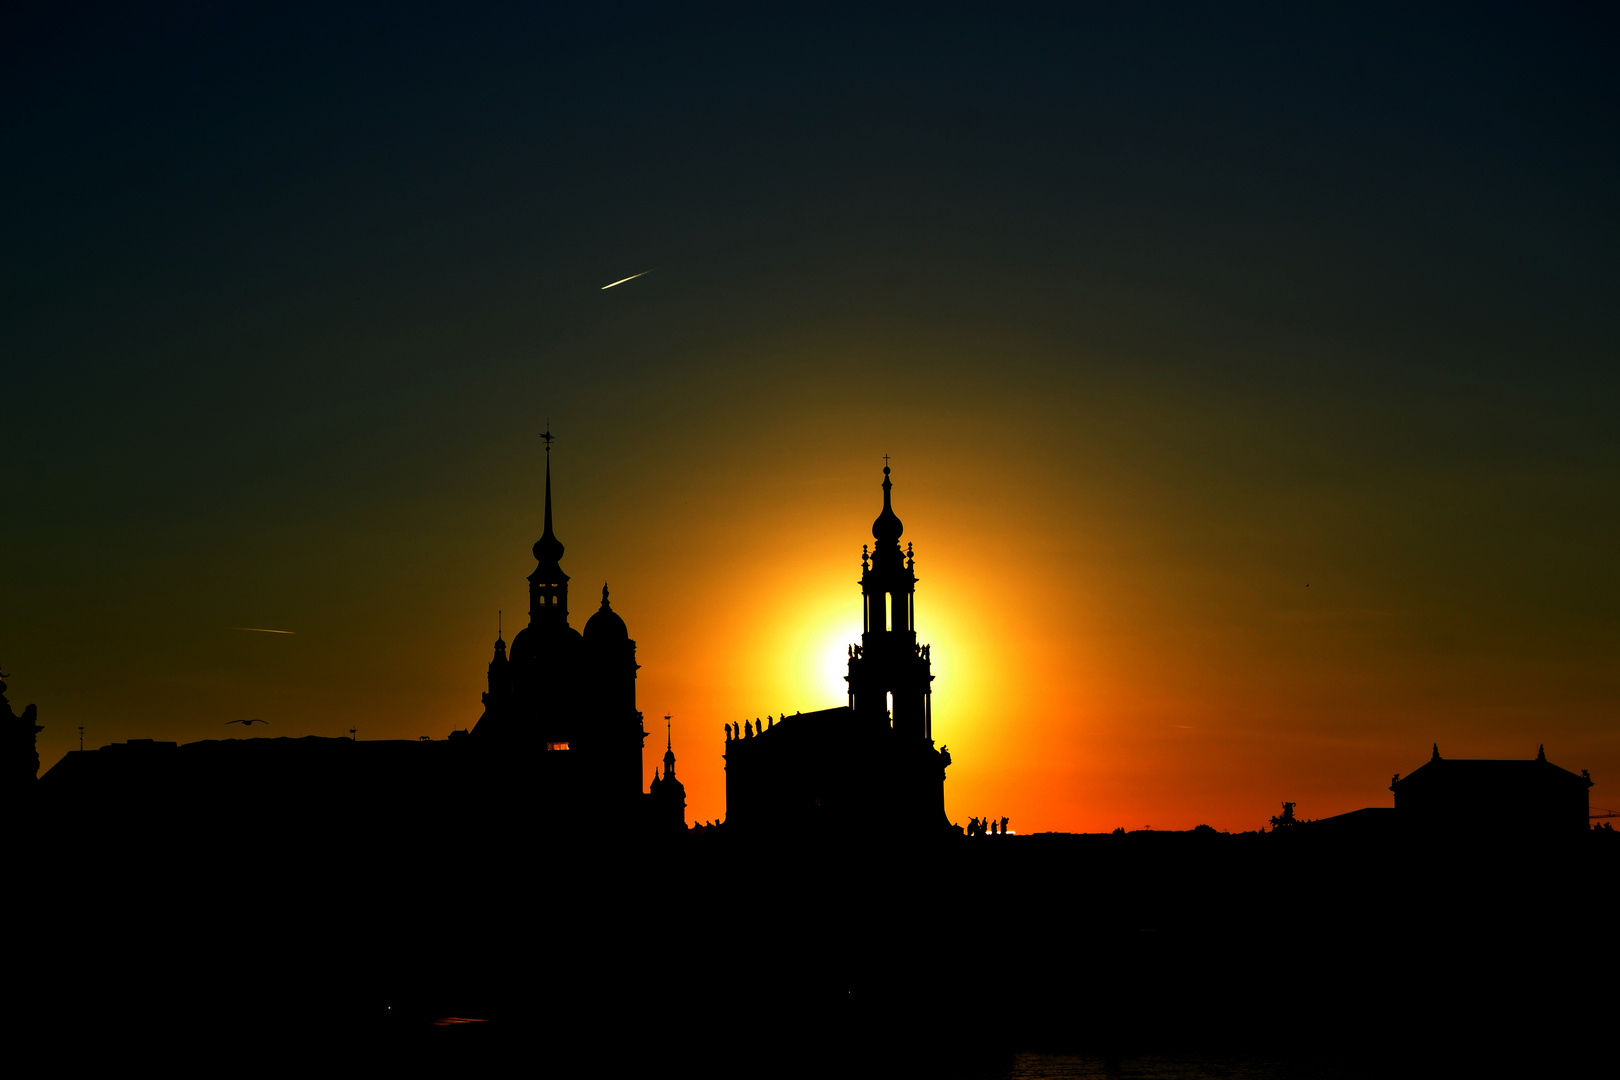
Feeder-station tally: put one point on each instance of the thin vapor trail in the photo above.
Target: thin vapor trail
(622, 280)
(262, 630)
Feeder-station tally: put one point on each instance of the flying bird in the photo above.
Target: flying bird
(621, 281)
(247, 723)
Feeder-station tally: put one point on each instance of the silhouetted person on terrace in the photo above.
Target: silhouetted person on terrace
(21, 744)
(1004, 825)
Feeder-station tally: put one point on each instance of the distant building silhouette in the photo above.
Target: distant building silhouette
(667, 795)
(1508, 796)
(870, 765)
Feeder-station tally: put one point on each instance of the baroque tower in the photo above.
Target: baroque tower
(889, 672)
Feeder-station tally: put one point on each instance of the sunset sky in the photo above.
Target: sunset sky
(1249, 378)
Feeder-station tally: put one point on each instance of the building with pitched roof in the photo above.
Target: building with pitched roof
(1532, 797)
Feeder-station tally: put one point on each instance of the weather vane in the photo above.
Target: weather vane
(547, 435)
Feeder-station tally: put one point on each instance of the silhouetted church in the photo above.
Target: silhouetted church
(870, 765)
(558, 745)
(561, 707)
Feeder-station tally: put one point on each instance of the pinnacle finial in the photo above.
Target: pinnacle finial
(887, 528)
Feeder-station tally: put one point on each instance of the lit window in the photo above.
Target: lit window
(556, 746)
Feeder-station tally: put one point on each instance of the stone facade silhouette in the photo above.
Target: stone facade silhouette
(870, 765)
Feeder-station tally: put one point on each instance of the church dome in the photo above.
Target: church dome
(606, 625)
(887, 527)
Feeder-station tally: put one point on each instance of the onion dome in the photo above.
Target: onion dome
(887, 527)
(606, 625)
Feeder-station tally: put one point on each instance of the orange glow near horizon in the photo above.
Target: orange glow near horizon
(1114, 645)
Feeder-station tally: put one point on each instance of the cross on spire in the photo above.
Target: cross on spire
(885, 461)
(547, 436)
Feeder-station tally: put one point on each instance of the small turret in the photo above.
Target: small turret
(667, 795)
(499, 668)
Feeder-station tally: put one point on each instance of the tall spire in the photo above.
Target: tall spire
(548, 585)
(548, 549)
(669, 751)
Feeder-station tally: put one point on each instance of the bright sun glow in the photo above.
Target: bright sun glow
(813, 658)
(817, 661)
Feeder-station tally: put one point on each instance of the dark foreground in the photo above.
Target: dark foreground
(234, 950)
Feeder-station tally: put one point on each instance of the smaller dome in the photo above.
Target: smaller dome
(606, 625)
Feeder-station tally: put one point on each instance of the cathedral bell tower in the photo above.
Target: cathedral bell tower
(889, 672)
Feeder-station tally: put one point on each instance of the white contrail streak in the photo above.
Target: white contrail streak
(622, 280)
(262, 630)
